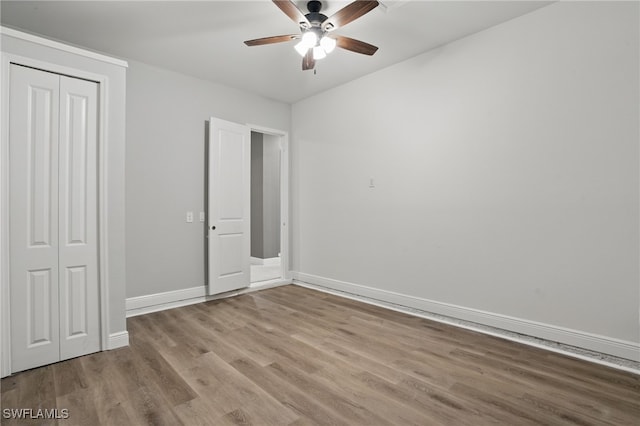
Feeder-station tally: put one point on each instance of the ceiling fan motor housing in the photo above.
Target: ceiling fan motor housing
(314, 6)
(314, 16)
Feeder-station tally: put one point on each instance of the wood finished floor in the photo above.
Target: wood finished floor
(293, 356)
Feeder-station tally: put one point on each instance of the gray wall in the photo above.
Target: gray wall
(257, 174)
(265, 195)
(271, 197)
(165, 159)
(506, 174)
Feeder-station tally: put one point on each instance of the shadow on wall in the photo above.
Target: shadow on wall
(205, 236)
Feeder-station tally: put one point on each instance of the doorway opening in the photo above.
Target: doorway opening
(266, 215)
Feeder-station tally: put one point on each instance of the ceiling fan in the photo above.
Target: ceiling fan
(315, 41)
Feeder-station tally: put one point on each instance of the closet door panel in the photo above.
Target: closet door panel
(79, 292)
(33, 197)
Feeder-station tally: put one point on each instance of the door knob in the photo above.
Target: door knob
(213, 228)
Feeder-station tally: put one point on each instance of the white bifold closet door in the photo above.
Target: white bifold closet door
(53, 217)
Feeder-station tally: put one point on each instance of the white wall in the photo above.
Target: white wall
(506, 175)
(165, 160)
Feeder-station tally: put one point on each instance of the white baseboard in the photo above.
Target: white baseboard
(167, 300)
(602, 344)
(271, 261)
(173, 299)
(118, 340)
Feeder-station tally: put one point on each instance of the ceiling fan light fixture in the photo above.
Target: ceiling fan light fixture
(309, 39)
(318, 53)
(301, 48)
(315, 27)
(328, 44)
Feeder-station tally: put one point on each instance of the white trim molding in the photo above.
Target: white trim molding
(5, 308)
(147, 304)
(118, 340)
(271, 261)
(160, 301)
(407, 304)
(61, 46)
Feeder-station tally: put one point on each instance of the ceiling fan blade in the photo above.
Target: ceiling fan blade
(292, 11)
(348, 13)
(355, 45)
(308, 63)
(271, 40)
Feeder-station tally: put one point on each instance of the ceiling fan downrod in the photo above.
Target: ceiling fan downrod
(314, 16)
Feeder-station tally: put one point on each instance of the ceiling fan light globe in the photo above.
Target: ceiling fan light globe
(309, 39)
(328, 44)
(301, 48)
(318, 53)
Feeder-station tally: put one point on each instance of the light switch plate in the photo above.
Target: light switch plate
(201, 216)
(189, 217)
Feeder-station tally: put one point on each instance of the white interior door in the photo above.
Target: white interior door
(53, 218)
(78, 227)
(229, 206)
(33, 152)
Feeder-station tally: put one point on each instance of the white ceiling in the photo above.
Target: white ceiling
(205, 38)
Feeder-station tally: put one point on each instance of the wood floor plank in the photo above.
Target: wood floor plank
(336, 352)
(30, 390)
(285, 349)
(214, 341)
(173, 386)
(111, 404)
(69, 377)
(150, 409)
(329, 396)
(539, 379)
(356, 388)
(81, 406)
(36, 388)
(146, 326)
(9, 400)
(141, 391)
(229, 390)
(197, 412)
(294, 356)
(436, 410)
(297, 400)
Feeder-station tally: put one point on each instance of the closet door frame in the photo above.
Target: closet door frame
(102, 143)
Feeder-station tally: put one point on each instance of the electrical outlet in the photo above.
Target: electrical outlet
(189, 217)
